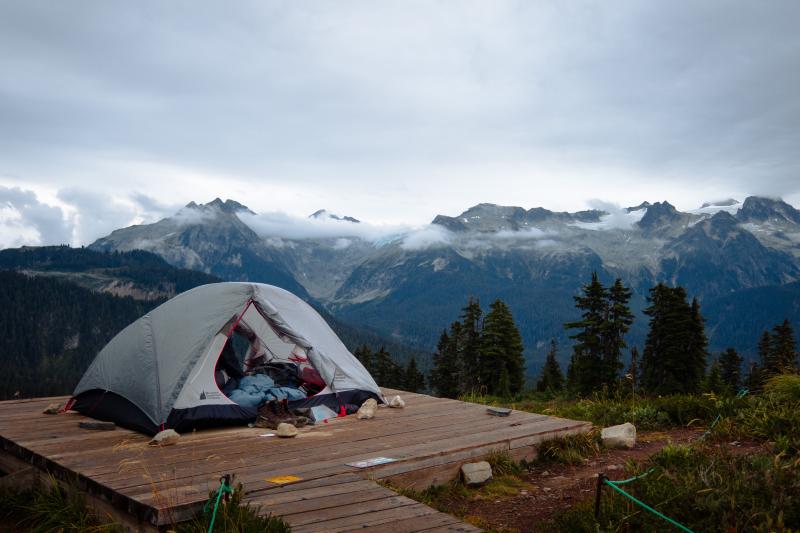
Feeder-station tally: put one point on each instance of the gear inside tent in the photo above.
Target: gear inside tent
(218, 354)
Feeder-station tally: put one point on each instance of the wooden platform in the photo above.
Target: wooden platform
(147, 487)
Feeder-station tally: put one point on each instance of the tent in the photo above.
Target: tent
(160, 371)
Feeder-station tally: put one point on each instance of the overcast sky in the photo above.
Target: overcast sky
(116, 112)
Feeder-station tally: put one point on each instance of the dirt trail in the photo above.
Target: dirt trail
(556, 487)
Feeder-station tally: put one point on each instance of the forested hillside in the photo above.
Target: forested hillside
(59, 306)
(50, 331)
(140, 274)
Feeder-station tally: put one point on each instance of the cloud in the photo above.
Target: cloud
(24, 219)
(434, 105)
(284, 226)
(430, 236)
(616, 217)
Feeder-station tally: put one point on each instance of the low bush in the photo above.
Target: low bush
(703, 487)
(234, 517)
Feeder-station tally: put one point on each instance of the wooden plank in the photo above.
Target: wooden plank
(419, 524)
(359, 521)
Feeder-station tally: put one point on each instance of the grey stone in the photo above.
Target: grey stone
(286, 430)
(476, 474)
(621, 436)
(397, 402)
(367, 409)
(168, 437)
(52, 409)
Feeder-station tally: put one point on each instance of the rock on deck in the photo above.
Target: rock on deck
(144, 487)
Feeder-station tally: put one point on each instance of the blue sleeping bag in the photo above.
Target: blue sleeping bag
(253, 391)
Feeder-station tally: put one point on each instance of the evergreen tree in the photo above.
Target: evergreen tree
(551, 379)
(364, 354)
(675, 354)
(633, 369)
(469, 346)
(585, 371)
(502, 361)
(783, 348)
(754, 378)
(414, 380)
(768, 366)
(697, 351)
(713, 381)
(387, 373)
(730, 363)
(617, 325)
(446, 372)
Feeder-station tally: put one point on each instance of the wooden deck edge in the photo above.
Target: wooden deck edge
(21, 474)
(421, 473)
(131, 513)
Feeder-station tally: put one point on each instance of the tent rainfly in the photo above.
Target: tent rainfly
(159, 372)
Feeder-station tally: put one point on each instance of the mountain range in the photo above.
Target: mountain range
(410, 283)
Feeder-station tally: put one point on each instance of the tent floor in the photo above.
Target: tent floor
(143, 487)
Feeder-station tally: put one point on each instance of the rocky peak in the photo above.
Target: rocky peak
(228, 206)
(760, 209)
(659, 214)
(323, 213)
(643, 205)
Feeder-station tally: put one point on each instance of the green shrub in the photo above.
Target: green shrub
(47, 508)
(234, 517)
(570, 450)
(704, 488)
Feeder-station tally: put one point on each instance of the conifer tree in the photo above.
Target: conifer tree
(754, 377)
(633, 369)
(713, 381)
(675, 353)
(617, 325)
(502, 360)
(387, 373)
(364, 354)
(414, 380)
(585, 371)
(446, 372)
(469, 345)
(768, 364)
(730, 363)
(783, 348)
(551, 379)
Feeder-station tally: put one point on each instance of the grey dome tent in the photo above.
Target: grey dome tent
(159, 372)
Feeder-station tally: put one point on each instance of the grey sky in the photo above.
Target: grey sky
(392, 112)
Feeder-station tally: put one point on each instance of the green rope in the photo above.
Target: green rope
(224, 488)
(639, 502)
(623, 481)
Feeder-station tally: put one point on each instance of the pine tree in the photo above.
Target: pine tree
(675, 353)
(713, 381)
(446, 372)
(617, 325)
(551, 379)
(469, 346)
(633, 369)
(387, 372)
(364, 354)
(585, 371)
(768, 364)
(697, 351)
(502, 359)
(414, 380)
(754, 377)
(784, 348)
(731, 369)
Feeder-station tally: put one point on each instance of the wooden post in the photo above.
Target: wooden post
(601, 479)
